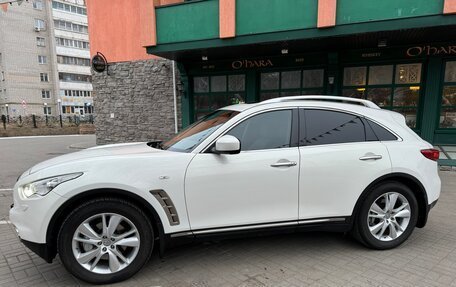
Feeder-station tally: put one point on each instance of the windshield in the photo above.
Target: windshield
(189, 138)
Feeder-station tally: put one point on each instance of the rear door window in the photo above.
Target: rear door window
(321, 127)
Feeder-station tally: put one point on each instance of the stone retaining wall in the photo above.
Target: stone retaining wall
(135, 102)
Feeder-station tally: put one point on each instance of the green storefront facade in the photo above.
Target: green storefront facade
(399, 54)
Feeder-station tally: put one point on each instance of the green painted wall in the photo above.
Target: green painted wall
(355, 11)
(190, 21)
(262, 16)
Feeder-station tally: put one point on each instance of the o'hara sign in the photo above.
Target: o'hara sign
(431, 50)
(250, 64)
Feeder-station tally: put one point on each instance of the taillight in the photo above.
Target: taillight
(432, 154)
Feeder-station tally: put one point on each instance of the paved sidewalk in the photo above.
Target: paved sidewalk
(428, 258)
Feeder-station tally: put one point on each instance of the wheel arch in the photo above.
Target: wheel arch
(65, 209)
(410, 181)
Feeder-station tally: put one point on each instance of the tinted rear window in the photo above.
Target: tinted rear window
(330, 127)
(381, 133)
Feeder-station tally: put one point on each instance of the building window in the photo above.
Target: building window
(211, 93)
(69, 8)
(45, 94)
(448, 105)
(47, 110)
(67, 77)
(72, 43)
(396, 87)
(69, 26)
(44, 77)
(67, 60)
(42, 60)
(40, 41)
(38, 4)
(72, 93)
(291, 83)
(40, 24)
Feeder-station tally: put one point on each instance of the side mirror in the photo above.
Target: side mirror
(227, 145)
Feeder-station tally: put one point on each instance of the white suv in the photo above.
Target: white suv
(307, 162)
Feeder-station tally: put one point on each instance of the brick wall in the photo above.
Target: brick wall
(140, 96)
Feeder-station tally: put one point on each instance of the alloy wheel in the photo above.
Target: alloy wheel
(389, 216)
(105, 243)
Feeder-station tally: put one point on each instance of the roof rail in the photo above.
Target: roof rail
(365, 103)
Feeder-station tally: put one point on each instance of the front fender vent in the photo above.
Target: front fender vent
(167, 205)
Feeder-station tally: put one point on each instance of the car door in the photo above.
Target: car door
(340, 157)
(257, 186)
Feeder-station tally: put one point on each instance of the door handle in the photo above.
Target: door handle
(283, 163)
(371, 157)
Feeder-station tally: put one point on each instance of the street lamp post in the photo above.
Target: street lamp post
(7, 112)
(46, 112)
(59, 101)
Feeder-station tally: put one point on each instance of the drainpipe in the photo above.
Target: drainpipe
(176, 128)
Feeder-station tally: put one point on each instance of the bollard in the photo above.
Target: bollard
(34, 121)
(4, 121)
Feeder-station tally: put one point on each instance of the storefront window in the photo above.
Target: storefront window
(448, 105)
(291, 83)
(381, 96)
(270, 81)
(355, 76)
(408, 74)
(212, 93)
(236, 83)
(394, 87)
(381, 75)
(201, 84)
(312, 78)
(291, 80)
(218, 84)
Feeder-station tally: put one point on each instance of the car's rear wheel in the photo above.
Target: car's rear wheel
(105, 241)
(387, 216)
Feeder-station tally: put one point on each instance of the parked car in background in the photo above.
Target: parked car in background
(319, 162)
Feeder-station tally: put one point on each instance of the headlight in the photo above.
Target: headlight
(44, 186)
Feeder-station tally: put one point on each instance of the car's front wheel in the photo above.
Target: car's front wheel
(105, 241)
(387, 216)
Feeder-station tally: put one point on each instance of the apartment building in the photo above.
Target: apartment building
(45, 59)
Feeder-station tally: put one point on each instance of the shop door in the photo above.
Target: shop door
(395, 87)
(275, 84)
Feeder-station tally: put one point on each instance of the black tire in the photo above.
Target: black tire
(361, 228)
(94, 207)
